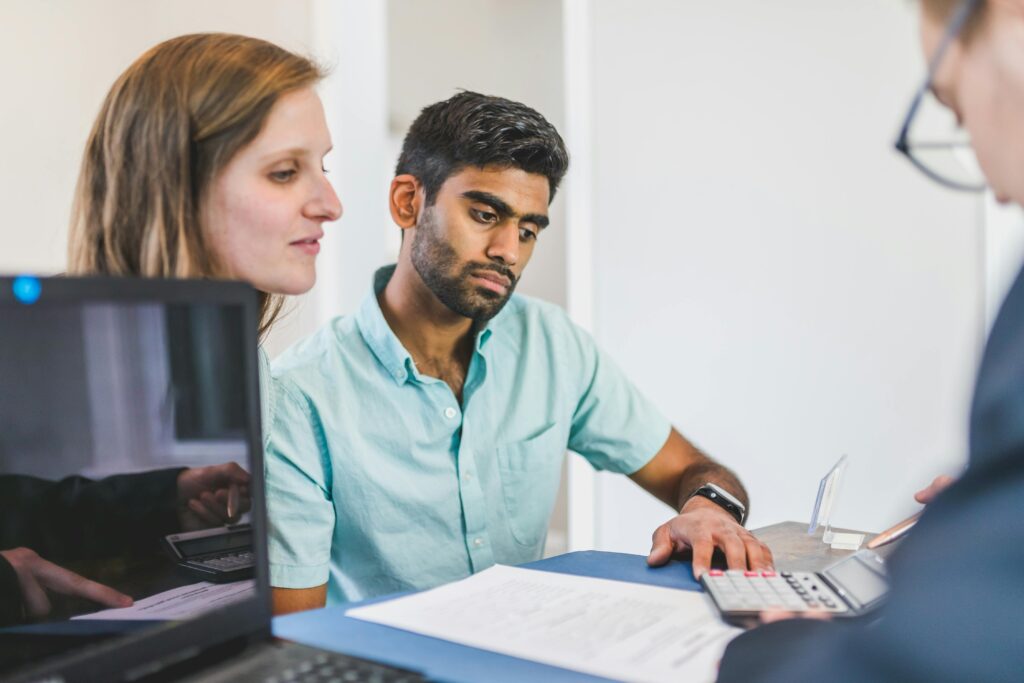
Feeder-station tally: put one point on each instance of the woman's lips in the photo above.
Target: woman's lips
(309, 246)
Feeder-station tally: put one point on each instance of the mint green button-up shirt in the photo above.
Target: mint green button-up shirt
(378, 480)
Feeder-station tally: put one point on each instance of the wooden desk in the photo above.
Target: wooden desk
(796, 551)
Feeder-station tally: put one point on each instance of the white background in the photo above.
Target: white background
(741, 238)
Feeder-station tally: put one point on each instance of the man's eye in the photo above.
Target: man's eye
(527, 235)
(484, 216)
(282, 176)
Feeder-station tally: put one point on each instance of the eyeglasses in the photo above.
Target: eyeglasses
(930, 137)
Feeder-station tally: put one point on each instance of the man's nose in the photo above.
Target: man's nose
(504, 244)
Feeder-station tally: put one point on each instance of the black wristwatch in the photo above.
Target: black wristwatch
(722, 498)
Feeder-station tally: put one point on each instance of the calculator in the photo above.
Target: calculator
(219, 555)
(851, 587)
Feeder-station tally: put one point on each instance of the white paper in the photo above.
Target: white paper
(628, 631)
(185, 602)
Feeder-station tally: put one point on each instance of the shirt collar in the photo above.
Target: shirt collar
(382, 340)
(377, 333)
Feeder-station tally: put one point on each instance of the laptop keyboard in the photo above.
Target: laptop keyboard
(285, 662)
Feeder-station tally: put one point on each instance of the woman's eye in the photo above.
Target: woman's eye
(282, 176)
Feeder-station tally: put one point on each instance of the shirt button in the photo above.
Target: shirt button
(477, 542)
(450, 412)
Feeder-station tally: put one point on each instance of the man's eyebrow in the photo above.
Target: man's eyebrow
(503, 209)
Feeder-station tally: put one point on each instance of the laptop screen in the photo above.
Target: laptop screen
(126, 464)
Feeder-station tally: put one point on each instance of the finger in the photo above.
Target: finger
(661, 547)
(928, 494)
(925, 495)
(204, 515)
(758, 556)
(235, 473)
(771, 616)
(735, 551)
(702, 550)
(69, 583)
(32, 594)
(216, 503)
(768, 556)
(232, 503)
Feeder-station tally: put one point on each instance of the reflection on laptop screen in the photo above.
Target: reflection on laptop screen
(124, 471)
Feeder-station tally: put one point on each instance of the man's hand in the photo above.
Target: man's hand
(36, 576)
(928, 494)
(212, 496)
(703, 526)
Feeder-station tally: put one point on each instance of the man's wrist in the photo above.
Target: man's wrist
(713, 495)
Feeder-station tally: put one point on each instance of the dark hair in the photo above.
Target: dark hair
(471, 129)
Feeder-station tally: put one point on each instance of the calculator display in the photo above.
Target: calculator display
(858, 580)
(240, 540)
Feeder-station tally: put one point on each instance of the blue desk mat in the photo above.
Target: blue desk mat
(441, 660)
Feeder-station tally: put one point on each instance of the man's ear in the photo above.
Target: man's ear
(405, 201)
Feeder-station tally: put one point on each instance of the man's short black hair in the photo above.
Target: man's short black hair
(471, 129)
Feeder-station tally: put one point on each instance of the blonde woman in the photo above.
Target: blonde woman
(206, 161)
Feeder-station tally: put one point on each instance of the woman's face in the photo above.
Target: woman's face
(982, 82)
(265, 212)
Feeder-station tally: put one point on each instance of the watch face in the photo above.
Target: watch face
(725, 499)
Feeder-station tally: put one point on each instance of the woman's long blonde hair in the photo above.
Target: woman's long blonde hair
(169, 124)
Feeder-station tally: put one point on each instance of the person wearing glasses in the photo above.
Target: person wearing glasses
(955, 602)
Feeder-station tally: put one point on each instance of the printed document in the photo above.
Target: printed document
(181, 603)
(615, 629)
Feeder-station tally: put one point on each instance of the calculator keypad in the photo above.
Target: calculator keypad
(229, 562)
(751, 592)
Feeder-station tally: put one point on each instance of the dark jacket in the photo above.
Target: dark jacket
(956, 602)
(78, 519)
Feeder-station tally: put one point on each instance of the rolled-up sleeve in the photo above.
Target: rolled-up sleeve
(300, 508)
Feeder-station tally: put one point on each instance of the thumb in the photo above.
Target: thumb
(928, 494)
(661, 547)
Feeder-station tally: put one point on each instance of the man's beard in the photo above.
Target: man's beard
(435, 261)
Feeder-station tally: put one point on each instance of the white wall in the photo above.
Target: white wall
(764, 267)
(768, 271)
(57, 61)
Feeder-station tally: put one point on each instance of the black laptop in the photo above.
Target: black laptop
(132, 519)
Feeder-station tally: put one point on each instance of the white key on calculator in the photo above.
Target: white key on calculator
(744, 593)
(851, 587)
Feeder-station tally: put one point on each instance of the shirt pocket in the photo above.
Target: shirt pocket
(530, 473)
